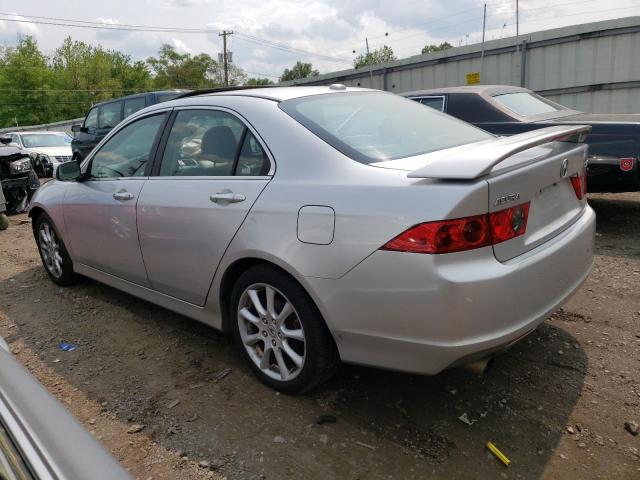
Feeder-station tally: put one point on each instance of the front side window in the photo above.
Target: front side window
(375, 127)
(110, 115)
(126, 153)
(526, 103)
(436, 103)
(202, 143)
(132, 105)
(91, 122)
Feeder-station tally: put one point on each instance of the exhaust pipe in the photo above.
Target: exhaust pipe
(479, 367)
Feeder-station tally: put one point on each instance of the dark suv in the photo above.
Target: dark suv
(104, 116)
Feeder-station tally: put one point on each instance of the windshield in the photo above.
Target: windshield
(375, 126)
(526, 104)
(35, 140)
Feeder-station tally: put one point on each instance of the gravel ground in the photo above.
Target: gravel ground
(556, 404)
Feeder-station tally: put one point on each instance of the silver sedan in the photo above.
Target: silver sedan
(320, 224)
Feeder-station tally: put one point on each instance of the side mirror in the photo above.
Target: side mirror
(5, 139)
(76, 128)
(68, 172)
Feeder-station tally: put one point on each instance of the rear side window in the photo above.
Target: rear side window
(202, 143)
(110, 115)
(375, 127)
(252, 160)
(91, 121)
(132, 105)
(165, 97)
(436, 103)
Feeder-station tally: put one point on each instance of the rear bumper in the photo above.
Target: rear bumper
(424, 313)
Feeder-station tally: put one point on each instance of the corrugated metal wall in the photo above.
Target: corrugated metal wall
(593, 67)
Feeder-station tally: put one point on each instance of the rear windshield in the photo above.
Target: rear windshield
(376, 126)
(526, 104)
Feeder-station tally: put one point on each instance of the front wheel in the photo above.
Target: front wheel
(280, 331)
(54, 255)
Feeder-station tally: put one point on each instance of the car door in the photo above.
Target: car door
(100, 211)
(212, 170)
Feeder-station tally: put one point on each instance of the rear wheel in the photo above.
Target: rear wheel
(280, 331)
(53, 252)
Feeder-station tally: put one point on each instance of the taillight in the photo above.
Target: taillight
(509, 223)
(461, 234)
(579, 184)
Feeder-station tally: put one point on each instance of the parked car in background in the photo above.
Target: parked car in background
(104, 116)
(46, 149)
(327, 223)
(614, 141)
(39, 439)
(17, 178)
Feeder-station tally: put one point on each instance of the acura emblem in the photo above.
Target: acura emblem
(563, 168)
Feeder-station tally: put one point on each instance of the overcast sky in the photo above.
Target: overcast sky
(329, 29)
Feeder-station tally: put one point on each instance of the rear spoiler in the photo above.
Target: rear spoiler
(476, 162)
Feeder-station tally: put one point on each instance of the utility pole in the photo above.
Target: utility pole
(225, 56)
(484, 24)
(517, 21)
(370, 63)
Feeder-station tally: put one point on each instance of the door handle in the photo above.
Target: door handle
(227, 197)
(123, 196)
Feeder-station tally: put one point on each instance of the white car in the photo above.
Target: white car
(46, 149)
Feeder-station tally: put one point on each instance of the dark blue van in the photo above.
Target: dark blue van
(104, 116)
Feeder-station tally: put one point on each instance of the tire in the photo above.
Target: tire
(53, 253)
(308, 361)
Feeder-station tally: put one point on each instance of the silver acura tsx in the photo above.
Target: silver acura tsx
(320, 224)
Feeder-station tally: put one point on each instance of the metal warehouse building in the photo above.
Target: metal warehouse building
(594, 67)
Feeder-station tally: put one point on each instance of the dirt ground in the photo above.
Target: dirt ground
(555, 404)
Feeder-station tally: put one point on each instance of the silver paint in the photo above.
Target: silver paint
(404, 311)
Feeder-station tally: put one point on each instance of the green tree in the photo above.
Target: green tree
(436, 48)
(172, 69)
(37, 89)
(26, 83)
(299, 70)
(380, 55)
(258, 82)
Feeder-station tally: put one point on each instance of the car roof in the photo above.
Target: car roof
(277, 94)
(489, 90)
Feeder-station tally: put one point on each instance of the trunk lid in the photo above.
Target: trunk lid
(547, 185)
(536, 168)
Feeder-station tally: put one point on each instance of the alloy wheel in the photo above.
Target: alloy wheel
(271, 332)
(50, 249)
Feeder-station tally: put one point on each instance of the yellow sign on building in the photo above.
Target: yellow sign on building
(473, 78)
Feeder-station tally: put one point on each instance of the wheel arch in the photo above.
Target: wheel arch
(236, 268)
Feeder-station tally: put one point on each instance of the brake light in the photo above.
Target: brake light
(461, 234)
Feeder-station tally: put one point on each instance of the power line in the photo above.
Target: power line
(55, 21)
